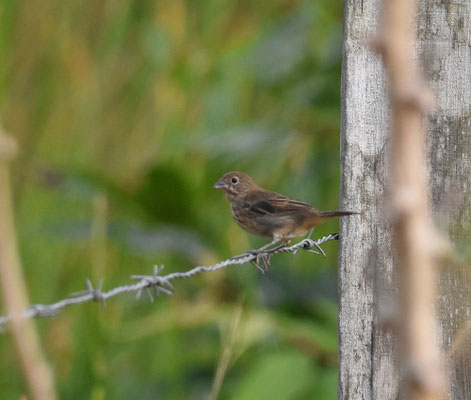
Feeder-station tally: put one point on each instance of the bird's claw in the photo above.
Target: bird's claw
(265, 260)
(246, 254)
(263, 255)
(253, 252)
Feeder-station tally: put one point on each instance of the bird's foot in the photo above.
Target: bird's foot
(253, 252)
(264, 258)
(261, 260)
(262, 254)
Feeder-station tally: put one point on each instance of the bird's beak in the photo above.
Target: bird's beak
(220, 184)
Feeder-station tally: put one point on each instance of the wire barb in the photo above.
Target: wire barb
(161, 284)
(96, 294)
(155, 281)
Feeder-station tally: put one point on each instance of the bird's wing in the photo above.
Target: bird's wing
(275, 204)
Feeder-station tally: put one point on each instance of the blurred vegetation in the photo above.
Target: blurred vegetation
(126, 113)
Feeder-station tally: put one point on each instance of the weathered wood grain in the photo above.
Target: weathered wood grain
(367, 367)
(444, 45)
(366, 361)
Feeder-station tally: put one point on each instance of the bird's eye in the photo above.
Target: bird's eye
(235, 180)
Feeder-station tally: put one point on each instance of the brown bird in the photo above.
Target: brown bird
(269, 214)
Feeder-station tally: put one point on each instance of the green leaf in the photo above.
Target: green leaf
(283, 375)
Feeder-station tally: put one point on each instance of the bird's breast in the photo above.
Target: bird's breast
(239, 213)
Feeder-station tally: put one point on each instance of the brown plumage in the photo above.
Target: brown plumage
(269, 214)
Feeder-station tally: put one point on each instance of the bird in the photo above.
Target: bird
(270, 214)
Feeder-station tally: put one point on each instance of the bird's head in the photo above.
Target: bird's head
(235, 184)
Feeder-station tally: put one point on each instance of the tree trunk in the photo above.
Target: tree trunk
(367, 354)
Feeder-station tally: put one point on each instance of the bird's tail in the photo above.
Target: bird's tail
(337, 213)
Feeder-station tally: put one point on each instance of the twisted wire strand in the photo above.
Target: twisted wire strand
(160, 284)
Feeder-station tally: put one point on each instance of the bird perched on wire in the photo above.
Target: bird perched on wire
(269, 214)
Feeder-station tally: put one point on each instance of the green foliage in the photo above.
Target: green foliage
(126, 113)
(277, 375)
(286, 375)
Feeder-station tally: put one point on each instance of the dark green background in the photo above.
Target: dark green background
(126, 113)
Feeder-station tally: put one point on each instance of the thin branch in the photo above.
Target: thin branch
(160, 284)
(226, 354)
(36, 370)
(415, 237)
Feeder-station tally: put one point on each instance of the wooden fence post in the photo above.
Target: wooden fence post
(367, 353)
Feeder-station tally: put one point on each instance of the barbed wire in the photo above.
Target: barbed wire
(161, 284)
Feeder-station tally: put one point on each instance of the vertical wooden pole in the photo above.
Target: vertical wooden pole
(366, 352)
(367, 364)
(444, 47)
